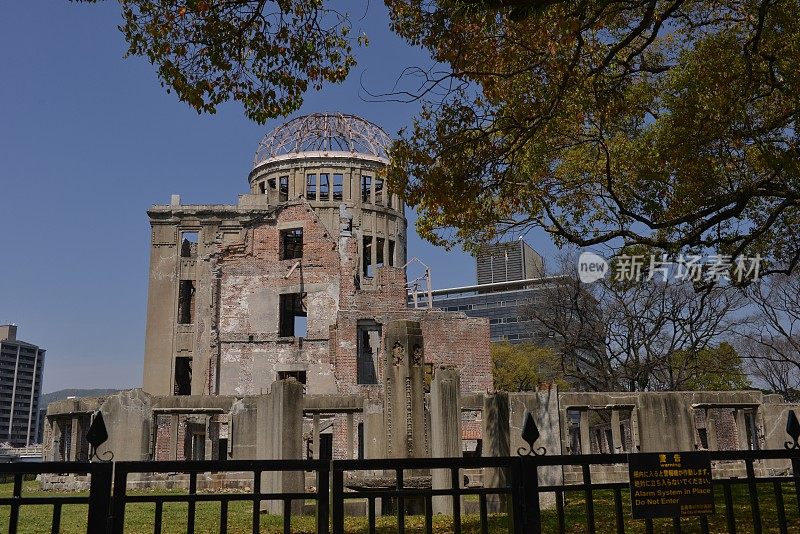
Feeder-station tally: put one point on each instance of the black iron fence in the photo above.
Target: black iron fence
(98, 499)
(516, 492)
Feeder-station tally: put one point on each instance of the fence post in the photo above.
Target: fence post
(530, 485)
(338, 499)
(99, 497)
(323, 498)
(118, 503)
(517, 519)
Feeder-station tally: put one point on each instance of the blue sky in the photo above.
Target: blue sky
(89, 140)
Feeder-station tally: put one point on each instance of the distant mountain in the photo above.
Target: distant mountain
(62, 394)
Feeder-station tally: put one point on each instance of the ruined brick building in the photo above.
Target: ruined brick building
(296, 280)
(301, 279)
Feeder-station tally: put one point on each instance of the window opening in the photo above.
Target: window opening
(311, 186)
(369, 340)
(222, 449)
(324, 187)
(283, 192)
(300, 376)
(326, 446)
(750, 429)
(338, 186)
(292, 315)
(183, 376)
(367, 256)
(189, 244)
(391, 253)
(366, 184)
(574, 417)
(379, 251)
(292, 244)
(378, 191)
(198, 446)
(186, 302)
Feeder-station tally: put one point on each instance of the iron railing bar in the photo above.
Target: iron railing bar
(42, 501)
(779, 507)
(729, 518)
(223, 517)
(401, 502)
(560, 496)
(618, 511)
(412, 492)
(704, 524)
(455, 485)
(587, 481)
(256, 502)
(338, 500)
(287, 516)
(428, 514)
(159, 517)
(212, 497)
(120, 488)
(371, 514)
(192, 504)
(13, 517)
(676, 525)
(753, 491)
(322, 498)
(796, 477)
(484, 512)
(648, 526)
(55, 525)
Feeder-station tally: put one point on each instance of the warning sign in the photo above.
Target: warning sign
(670, 484)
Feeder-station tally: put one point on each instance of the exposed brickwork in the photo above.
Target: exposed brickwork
(245, 352)
(251, 276)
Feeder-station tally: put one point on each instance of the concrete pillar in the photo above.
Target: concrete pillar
(73, 439)
(445, 430)
(208, 449)
(496, 442)
(711, 431)
(128, 416)
(404, 391)
(174, 421)
(57, 437)
(586, 442)
(616, 437)
(315, 437)
(350, 432)
(741, 430)
(279, 436)
(374, 432)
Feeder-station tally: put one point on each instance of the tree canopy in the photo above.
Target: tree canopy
(665, 123)
(718, 368)
(523, 367)
(263, 53)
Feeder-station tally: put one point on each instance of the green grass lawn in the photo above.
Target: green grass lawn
(139, 517)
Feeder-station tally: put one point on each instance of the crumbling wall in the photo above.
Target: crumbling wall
(252, 279)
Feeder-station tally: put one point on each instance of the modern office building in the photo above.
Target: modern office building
(21, 367)
(506, 262)
(510, 280)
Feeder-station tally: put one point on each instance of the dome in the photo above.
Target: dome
(324, 132)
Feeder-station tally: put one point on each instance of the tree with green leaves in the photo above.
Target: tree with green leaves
(667, 123)
(712, 368)
(264, 54)
(524, 367)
